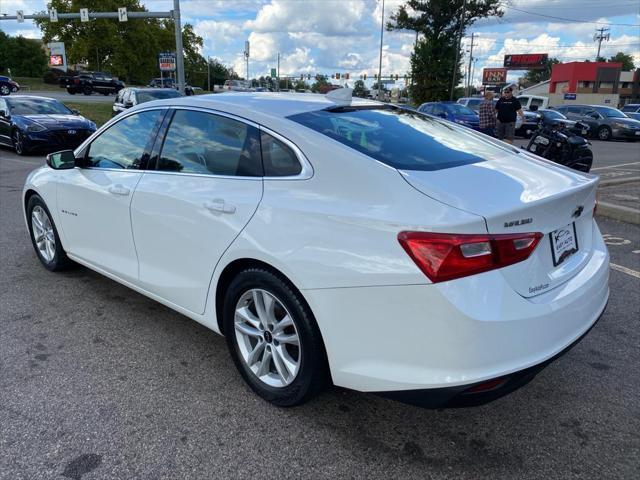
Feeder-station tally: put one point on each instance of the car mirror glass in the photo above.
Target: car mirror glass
(63, 160)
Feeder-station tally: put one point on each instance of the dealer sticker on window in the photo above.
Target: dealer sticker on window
(564, 243)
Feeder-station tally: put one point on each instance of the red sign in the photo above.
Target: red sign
(494, 76)
(525, 61)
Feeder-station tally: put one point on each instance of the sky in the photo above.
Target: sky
(329, 36)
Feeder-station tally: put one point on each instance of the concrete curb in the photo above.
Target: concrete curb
(618, 212)
(618, 181)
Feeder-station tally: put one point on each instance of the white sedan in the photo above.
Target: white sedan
(334, 240)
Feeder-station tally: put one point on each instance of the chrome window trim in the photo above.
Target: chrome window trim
(305, 174)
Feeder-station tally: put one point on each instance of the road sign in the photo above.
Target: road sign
(53, 15)
(274, 73)
(20, 16)
(569, 96)
(84, 14)
(167, 61)
(122, 14)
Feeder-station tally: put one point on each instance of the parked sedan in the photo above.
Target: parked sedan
(37, 123)
(8, 86)
(334, 239)
(132, 96)
(454, 112)
(632, 110)
(606, 123)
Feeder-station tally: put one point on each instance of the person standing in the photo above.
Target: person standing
(487, 113)
(508, 108)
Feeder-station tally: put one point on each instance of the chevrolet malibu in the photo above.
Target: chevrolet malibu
(334, 240)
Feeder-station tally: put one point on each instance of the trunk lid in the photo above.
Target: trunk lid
(516, 192)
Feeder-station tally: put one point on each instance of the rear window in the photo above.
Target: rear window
(400, 138)
(149, 95)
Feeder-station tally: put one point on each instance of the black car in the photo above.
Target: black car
(130, 96)
(90, 82)
(169, 82)
(530, 124)
(553, 117)
(8, 86)
(39, 123)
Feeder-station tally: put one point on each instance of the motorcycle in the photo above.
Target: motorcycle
(558, 144)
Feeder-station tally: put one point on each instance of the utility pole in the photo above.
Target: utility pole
(603, 34)
(208, 73)
(278, 74)
(380, 64)
(469, 68)
(246, 57)
(455, 65)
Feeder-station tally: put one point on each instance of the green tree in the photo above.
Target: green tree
(537, 76)
(321, 80)
(126, 49)
(438, 22)
(625, 59)
(359, 89)
(23, 56)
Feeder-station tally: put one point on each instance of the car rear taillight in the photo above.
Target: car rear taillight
(76, 81)
(446, 256)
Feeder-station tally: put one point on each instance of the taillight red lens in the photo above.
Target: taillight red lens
(76, 81)
(445, 256)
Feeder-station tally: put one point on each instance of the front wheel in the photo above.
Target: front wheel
(273, 338)
(70, 91)
(604, 133)
(5, 90)
(44, 236)
(87, 91)
(19, 142)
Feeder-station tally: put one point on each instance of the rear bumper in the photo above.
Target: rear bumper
(478, 393)
(453, 335)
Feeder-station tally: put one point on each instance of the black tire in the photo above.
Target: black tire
(60, 261)
(87, 90)
(604, 133)
(106, 94)
(71, 91)
(312, 375)
(19, 142)
(4, 90)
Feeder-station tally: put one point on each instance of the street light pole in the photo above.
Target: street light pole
(208, 73)
(179, 48)
(455, 65)
(380, 63)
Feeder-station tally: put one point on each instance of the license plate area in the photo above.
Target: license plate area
(564, 243)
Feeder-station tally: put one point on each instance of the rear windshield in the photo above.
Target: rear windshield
(402, 139)
(458, 109)
(147, 95)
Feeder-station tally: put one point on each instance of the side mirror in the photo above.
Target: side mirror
(63, 160)
(75, 112)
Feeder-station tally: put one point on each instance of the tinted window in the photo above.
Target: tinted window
(574, 110)
(198, 142)
(474, 103)
(457, 109)
(278, 159)
(438, 110)
(148, 95)
(123, 144)
(37, 106)
(553, 114)
(537, 102)
(610, 112)
(401, 138)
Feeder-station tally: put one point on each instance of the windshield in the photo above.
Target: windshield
(554, 114)
(37, 106)
(147, 96)
(458, 109)
(401, 138)
(610, 112)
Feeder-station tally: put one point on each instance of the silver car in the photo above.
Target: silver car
(605, 123)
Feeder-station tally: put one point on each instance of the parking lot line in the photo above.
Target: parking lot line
(626, 270)
(616, 166)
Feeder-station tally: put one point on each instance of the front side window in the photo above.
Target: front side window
(401, 138)
(203, 143)
(279, 160)
(123, 144)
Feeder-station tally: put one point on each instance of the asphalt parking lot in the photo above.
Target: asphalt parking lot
(99, 382)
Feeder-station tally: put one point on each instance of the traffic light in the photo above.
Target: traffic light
(375, 76)
(365, 76)
(396, 76)
(333, 76)
(308, 76)
(346, 76)
(337, 76)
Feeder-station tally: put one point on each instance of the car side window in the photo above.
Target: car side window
(427, 109)
(278, 159)
(123, 144)
(204, 143)
(438, 110)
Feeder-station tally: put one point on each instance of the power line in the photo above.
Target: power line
(564, 19)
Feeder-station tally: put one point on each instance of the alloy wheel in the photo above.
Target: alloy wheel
(604, 134)
(43, 234)
(4, 90)
(18, 142)
(267, 338)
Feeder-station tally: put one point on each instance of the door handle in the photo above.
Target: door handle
(220, 206)
(119, 190)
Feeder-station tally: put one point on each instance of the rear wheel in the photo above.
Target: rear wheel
(5, 90)
(604, 133)
(273, 338)
(87, 90)
(70, 91)
(44, 236)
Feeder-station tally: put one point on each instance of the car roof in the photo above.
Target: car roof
(253, 105)
(29, 97)
(151, 89)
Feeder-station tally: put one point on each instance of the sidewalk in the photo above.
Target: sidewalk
(620, 199)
